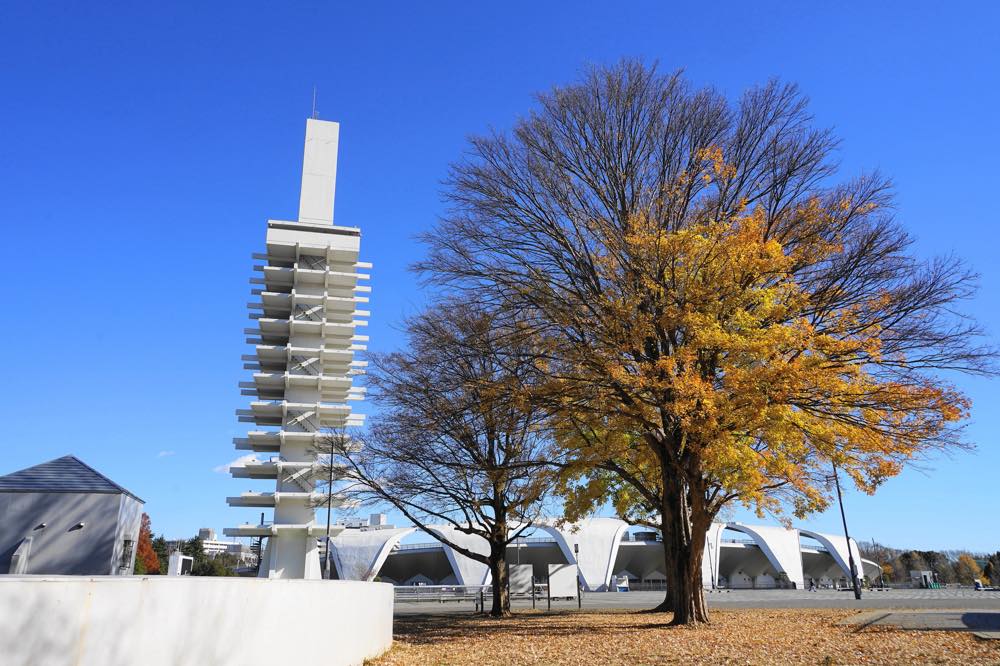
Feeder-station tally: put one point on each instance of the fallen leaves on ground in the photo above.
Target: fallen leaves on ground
(751, 636)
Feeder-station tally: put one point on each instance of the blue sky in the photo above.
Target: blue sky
(143, 146)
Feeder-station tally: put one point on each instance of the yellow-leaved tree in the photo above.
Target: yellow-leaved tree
(723, 323)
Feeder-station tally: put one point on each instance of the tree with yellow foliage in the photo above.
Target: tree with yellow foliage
(967, 570)
(723, 322)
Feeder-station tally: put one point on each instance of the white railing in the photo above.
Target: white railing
(480, 595)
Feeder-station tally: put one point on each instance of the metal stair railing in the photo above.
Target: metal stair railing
(306, 364)
(302, 479)
(303, 420)
(312, 262)
(307, 313)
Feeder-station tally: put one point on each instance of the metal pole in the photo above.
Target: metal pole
(850, 551)
(507, 567)
(548, 590)
(329, 488)
(711, 557)
(579, 593)
(881, 574)
(260, 545)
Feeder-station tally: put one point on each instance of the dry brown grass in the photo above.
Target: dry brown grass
(735, 637)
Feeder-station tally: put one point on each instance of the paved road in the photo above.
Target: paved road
(984, 624)
(891, 599)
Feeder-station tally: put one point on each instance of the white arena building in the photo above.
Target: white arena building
(737, 556)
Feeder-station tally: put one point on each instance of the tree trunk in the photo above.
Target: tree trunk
(501, 591)
(688, 593)
(684, 528)
(667, 605)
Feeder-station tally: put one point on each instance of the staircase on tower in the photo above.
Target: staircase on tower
(307, 311)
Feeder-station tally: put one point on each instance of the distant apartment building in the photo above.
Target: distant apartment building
(241, 551)
(213, 547)
(375, 521)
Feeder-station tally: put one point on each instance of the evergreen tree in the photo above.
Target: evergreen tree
(195, 549)
(159, 546)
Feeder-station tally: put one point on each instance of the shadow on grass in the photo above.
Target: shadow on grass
(431, 628)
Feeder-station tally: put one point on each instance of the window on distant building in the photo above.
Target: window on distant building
(126, 555)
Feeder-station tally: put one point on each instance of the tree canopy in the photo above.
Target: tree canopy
(459, 440)
(724, 320)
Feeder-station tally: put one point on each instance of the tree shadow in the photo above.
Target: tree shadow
(435, 627)
(981, 621)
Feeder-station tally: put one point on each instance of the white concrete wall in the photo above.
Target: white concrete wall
(598, 540)
(174, 621)
(359, 555)
(780, 546)
(129, 523)
(467, 570)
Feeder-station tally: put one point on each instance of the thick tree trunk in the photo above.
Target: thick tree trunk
(688, 593)
(684, 528)
(667, 605)
(501, 591)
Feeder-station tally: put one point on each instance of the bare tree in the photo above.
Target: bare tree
(458, 439)
(725, 321)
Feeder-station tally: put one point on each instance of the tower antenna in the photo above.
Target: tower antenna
(314, 103)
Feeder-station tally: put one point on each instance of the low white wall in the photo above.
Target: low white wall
(179, 620)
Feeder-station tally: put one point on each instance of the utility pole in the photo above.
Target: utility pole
(850, 552)
(881, 574)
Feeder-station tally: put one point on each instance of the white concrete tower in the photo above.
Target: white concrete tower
(307, 316)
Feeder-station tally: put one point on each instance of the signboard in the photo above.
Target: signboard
(520, 578)
(562, 581)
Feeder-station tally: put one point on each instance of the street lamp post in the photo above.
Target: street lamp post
(850, 552)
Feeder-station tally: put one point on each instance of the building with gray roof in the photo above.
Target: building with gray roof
(65, 517)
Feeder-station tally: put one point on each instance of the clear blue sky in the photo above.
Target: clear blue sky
(142, 147)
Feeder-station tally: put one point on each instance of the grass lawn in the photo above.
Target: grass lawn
(749, 636)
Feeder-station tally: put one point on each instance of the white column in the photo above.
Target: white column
(319, 172)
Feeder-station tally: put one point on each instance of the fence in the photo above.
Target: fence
(440, 593)
(480, 595)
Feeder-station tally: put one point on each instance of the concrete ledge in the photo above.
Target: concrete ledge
(175, 620)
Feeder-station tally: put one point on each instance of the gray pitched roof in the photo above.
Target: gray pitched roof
(68, 474)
